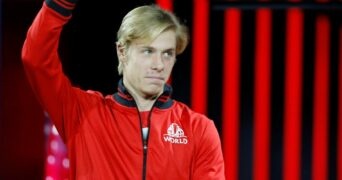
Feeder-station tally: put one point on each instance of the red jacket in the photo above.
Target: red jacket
(103, 134)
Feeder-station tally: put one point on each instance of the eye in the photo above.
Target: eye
(169, 54)
(147, 51)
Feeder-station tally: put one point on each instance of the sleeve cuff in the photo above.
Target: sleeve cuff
(63, 7)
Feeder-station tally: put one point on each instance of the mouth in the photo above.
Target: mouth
(155, 79)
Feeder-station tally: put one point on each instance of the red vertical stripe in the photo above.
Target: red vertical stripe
(293, 95)
(321, 96)
(231, 92)
(165, 4)
(200, 56)
(339, 143)
(262, 95)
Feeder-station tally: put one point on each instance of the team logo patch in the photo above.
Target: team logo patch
(175, 135)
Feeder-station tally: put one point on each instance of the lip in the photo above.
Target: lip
(155, 77)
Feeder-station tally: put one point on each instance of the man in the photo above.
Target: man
(139, 132)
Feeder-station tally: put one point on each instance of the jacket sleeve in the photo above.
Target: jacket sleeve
(43, 68)
(209, 163)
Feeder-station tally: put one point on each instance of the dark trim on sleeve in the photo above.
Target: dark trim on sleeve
(63, 7)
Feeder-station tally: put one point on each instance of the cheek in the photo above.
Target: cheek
(169, 65)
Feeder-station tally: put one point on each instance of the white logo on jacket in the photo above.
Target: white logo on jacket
(175, 135)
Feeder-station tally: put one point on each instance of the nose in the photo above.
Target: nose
(157, 62)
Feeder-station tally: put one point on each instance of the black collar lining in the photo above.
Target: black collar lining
(123, 97)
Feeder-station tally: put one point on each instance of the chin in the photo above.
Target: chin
(154, 91)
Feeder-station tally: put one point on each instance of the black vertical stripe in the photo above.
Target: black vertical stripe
(181, 75)
(277, 93)
(333, 98)
(308, 75)
(246, 97)
(215, 67)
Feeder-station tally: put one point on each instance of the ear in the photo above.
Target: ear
(121, 51)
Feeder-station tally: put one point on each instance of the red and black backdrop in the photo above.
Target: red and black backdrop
(269, 73)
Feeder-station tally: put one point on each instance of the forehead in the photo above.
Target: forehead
(165, 40)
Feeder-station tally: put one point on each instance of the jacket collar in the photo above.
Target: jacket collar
(123, 97)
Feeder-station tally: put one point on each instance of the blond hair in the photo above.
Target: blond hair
(146, 23)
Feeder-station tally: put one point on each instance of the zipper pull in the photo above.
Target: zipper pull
(145, 146)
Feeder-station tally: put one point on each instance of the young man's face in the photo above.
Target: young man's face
(149, 65)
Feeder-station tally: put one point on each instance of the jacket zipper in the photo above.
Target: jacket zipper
(145, 142)
(144, 160)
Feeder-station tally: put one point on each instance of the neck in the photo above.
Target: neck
(144, 104)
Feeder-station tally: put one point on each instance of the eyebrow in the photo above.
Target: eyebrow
(151, 47)
(170, 49)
